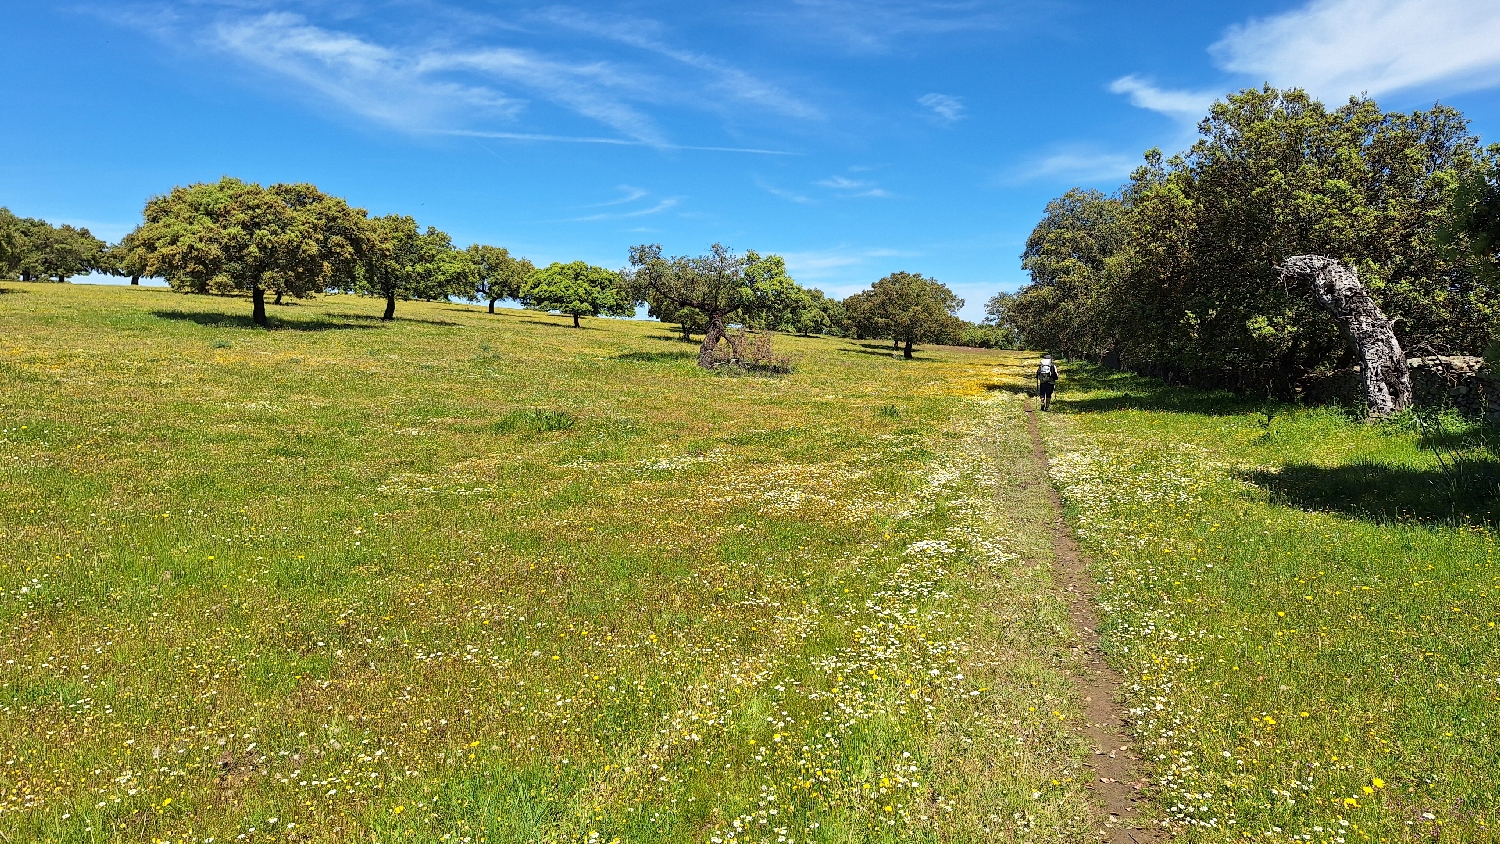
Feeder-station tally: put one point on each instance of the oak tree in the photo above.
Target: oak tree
(578, 290)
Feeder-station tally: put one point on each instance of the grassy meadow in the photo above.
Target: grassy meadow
(471, 577)
(1304, 607)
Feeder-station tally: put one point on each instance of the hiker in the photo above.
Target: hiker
(1046, 377)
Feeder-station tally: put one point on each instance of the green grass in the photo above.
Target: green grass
(491, 578)
(1304, 606)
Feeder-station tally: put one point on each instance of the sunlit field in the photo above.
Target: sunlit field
(466, 577)
(1304, 606)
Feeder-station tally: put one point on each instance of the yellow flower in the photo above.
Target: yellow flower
(1379, 783)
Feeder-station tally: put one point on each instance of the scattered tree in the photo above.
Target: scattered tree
(498, 275)
(232, 236)
(577, 289)
(910, 309)
(720, 285)
(401, 262)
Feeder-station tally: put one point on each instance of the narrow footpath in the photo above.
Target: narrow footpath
(1116, 776)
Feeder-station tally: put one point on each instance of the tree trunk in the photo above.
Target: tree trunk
(711, 337)
(278, 298)
(1381, 361)
(895, 343)
(135, 279)
(258, 296)
(906, 352)
(575, 320)
(492, 305)
(390, 306)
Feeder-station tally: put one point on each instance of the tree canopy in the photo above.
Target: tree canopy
(32, 249)
(1175, 274)
(230, 235)
(497, 275)
(722, 286)
(907, 308)
(578, 290)
(401, 261)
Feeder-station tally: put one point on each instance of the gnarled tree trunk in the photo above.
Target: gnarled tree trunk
(1381, 361)
(711, 337)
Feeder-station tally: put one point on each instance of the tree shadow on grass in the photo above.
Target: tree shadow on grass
(1383, 493)
(244, 321)
(371, 318)
(657, 357)
(881, 350)
(1138, 392)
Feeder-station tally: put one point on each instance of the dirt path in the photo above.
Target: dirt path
(1116, 778)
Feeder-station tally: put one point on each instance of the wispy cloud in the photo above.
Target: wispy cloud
(791, 196)
(842, 269)
(1339, 48)
(727, 80)
(945, 107)
(1078, 164)
(1188, 106)
(366, 78)
(452, 82)
(588, 89)
(660, 206)
(630, 195)
(852, 187)
(621, 142)
(877, 26)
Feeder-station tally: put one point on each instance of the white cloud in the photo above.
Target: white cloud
(1183, 105)
(1082, 165)
(791, 196)
(727, 80)
(876, 26)
(852, 187)
(663, 205)
(583, 88)
(366, 78)
(1336, 49)
(631, 194)
(453, 82)
(947, 108)
(841, 270)
(1339, 48)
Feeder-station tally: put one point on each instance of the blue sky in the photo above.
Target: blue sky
(854, 138)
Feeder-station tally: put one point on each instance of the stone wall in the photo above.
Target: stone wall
(1458, 381)
(1439, 381)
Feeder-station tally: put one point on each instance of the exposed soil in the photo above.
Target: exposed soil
(1116, 781)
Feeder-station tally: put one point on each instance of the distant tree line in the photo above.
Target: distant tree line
(34, 250)
(293, 240)
(1174, 273)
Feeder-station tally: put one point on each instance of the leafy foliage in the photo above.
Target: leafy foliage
(403, 262)
(721, 286)
(234, 236)
(497, 275)
(578, 290)
(1174, 274)
(31, 249)
(907, 308)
